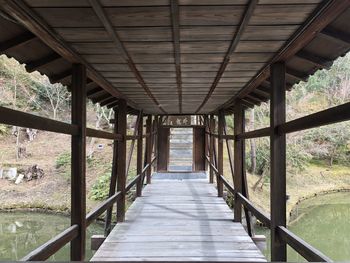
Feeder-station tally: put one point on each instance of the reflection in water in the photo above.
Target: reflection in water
(22, 232)
(323, 222)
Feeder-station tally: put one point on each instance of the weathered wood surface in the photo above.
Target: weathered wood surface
(179, 221)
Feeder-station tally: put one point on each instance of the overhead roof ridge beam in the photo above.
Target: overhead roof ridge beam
(177, 52)
(236, 38)
(98, 9)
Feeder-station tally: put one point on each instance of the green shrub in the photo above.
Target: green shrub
(63, 160)
(100, 189)
(3, 129)
(63, 164)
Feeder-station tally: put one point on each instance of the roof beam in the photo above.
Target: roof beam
(20, 11)
(107, 101)
(36, 64)
(236, 38)
(326, 13)
(177, 52)
(93, 91)
(296, 74)
(338, 36)
(101, 98)
(314, 59)
(60, 76)
(119, 45)
(16, 41)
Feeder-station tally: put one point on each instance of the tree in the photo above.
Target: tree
(56, 94)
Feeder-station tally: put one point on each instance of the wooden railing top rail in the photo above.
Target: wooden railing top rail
(103, 134)
(133, 182)
(254, 134)
(303, 248)
(332, 115)
(97, 211)
(53, 245)
(256, 211)
(299, 245)
(23, 119)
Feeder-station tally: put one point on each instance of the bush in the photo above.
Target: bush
(63, 164)
(63, 160)
(100, 189)
(3, 129)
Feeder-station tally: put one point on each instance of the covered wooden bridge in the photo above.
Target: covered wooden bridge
(163, 58)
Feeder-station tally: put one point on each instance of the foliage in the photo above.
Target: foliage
(3, 129)
(100, 189)
(63, 164)
(63, 160)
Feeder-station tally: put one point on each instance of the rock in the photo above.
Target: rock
(11, 174)
(1, 173)
(19, 179)
(34, 172)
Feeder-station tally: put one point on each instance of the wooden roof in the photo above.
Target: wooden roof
(175, 56)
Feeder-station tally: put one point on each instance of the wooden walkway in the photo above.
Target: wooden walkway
(179, 220)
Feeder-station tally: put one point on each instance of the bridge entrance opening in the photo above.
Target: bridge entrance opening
(181, 149)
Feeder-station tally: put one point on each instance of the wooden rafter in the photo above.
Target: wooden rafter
(93, 91)
(342, 37)
(237, 37)
(60, 76)
(16, 41)
(314, 59)
(107, 101)
(327, 12)
(20, 11)
(37, 64)
(177, 51)
(121, 48)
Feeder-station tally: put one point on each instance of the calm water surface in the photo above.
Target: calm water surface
(324, 222)
(22, 232)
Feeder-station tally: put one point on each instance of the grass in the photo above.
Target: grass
(318, 177)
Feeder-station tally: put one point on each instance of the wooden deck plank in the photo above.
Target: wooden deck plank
(179, 220)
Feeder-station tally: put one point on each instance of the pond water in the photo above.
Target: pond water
(22, 232)
(323, 222)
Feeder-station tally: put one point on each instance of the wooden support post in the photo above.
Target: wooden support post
(78, 166)
(278, 160)
(239, 154)
(220, 165)
(154, 141)
(139, 166)
(121, 159)
(148, 148)
(211, 148)
(113, 181)
(206, 138)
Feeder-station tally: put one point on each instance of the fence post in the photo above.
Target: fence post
(148, 147)
(211, 148)
(78, 165)
(121, 159)
(278, 160)
(220, 165)
(113, 181)
(139, 156)
(239, 154)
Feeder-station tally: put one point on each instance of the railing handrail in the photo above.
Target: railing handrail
(97, 211)
(299, 245)
(50, 247)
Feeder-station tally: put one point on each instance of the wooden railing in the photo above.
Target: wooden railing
(79, 132)
(299, 245)
(53, 245)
